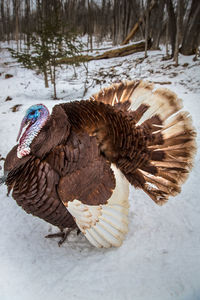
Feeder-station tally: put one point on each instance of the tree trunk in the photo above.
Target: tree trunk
(115, 23)
(172, 24)
(135, 15)
(90, 27)
(167, 39)
(2, 33)
(27, 20)
(147, 27)
(54, 81)
(16, 15)
(158, 24)
(8, 21)
(192, 30)
(127, 14)
(46, 83)
(176, 51)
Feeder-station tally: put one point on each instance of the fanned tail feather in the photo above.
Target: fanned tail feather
(167, 137)
(178, 149)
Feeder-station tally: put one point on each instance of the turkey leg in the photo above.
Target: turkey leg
(63, 234)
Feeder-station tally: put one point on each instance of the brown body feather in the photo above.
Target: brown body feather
(141, 131)
(34, 185)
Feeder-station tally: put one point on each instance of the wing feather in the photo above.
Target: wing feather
(104, 225)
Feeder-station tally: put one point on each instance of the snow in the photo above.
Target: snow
(160, 257)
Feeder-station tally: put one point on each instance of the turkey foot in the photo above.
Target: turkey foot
(61, 234)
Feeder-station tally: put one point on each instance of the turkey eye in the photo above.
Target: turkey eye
(32, 113)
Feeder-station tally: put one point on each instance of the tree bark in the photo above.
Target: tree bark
(54, 81)
(167, 39)
(27, 20)
(115, 22)
(158, 24)
(147, 27)
(16, 4)
(176, 51)
(46, 83)
(8, 21)
(172, 24)
(90, 27)
(192, 30)
(2, 34)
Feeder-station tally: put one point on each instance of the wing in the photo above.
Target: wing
(94, 192)
(104, 225)
(85, 174)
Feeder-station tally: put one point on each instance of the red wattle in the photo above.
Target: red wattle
(23, 123)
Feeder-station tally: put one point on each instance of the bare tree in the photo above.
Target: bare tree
(192, 30)
(116, 27)
(90, 25)
(171, 24)
(27, 20)
(167, 39)
(16, 5)
(157, 27)
(147, 27)
(178, 20)
(2, 22)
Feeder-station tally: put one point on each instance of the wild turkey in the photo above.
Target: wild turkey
(73, 168)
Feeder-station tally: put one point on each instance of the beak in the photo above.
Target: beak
(23, 124)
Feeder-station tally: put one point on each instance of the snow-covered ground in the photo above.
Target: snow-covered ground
(160, 257)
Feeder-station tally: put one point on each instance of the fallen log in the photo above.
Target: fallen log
(118, 52)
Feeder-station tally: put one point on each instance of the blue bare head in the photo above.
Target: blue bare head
(34, 112)
(34, 119)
